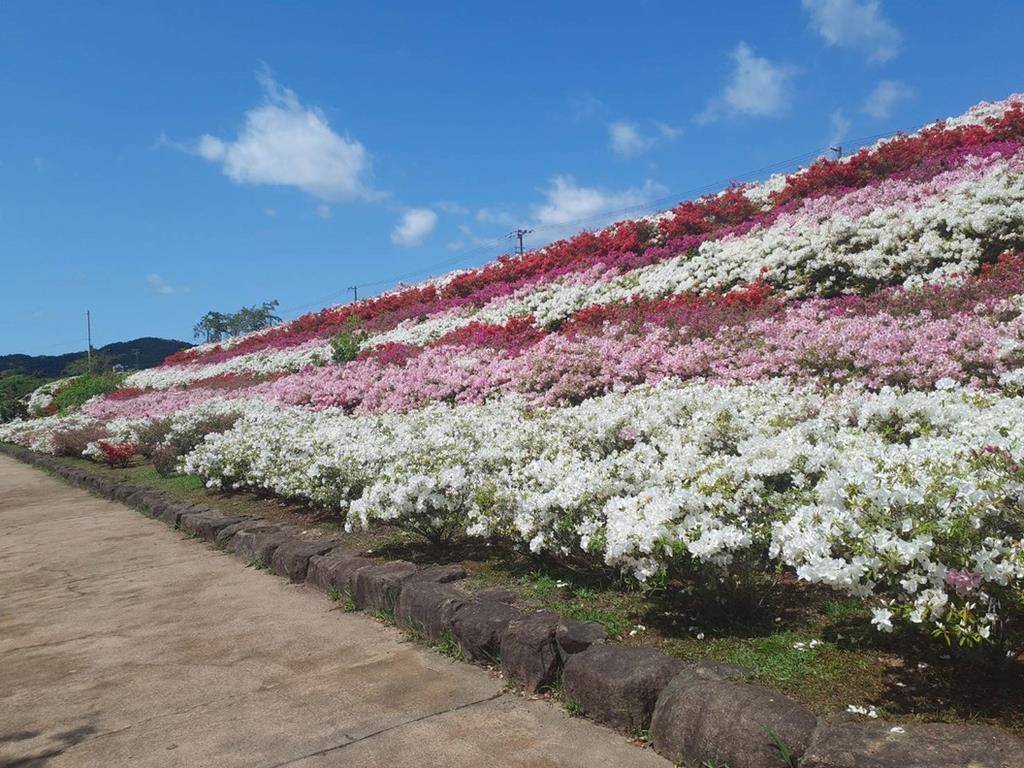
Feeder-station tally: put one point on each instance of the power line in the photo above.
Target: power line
(88, 349)
(603, 217)
(520, 234)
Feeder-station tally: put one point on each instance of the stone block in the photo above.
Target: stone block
(529, 653)
(291, 559)
(480, 626)
(376, 587)
(699, 720)
(618, 685)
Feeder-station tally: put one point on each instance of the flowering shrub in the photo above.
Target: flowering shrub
(116, 454)
(890, 496)
(71, 440)
(823, 373)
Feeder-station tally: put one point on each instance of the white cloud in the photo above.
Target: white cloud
(626, 140)
(414, 226)
(840, 128)
(323, 211)
(493, 216)
(160, 285)
(666, 131)
(472, 238)
(450, 206)
(886, 96)
(856, 25)
(286, 143)
(758, 88)
(570, 206)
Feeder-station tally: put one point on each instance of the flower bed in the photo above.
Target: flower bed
(820, 375)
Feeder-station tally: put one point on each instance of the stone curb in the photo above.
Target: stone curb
(695, 714)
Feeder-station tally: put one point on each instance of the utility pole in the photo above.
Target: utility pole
(88, 331)
(355, 293)
(520, 234)
(136, 358)
(838, 149)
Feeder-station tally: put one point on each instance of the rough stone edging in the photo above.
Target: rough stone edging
(693, 713)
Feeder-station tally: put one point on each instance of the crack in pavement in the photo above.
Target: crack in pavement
(52, 643)
(337, 747)
(67, 585)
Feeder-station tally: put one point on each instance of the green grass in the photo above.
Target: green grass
(449, 646)
(77, 391)
(178, 484)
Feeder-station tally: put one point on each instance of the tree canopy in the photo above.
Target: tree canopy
(216, 326)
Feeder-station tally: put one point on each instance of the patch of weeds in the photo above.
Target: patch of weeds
(350, 601)
(490, 659)
(787, 757)
(541, 583)
(844, 610)
(572, 707)
(147, 475)
(388, 617)
(777, 657)
(414, 635)
(449, 646)
(259, 564)
(334, 594)
(641, 734)
(616, 622)
(511, 684)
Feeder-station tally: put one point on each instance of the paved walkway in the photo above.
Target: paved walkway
(124, 644)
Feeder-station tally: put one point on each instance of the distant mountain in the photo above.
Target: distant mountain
(151, 353)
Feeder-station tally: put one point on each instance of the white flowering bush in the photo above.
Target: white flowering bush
(909, 500)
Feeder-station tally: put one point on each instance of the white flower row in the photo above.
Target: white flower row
(879, 495)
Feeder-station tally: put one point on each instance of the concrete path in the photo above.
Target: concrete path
(124, 644)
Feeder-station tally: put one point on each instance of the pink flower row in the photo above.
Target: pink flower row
(907, 187)
(892, 337)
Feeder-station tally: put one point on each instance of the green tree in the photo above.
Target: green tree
(212, 327)
(14, 388)
(217, 326)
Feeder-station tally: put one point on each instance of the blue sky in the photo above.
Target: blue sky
(158, 160)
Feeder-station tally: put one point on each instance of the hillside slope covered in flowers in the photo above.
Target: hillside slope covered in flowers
(821, 373)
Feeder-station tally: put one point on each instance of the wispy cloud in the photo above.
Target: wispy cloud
(840, 128)
(886, 96)
(856, 25)
(495, 216)
(414, 226)
(628, 139)
(586, 106)
(757, 88)
(471, 238)
(285, 143)
(450, 206)
(569, 206)
(159, 285)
